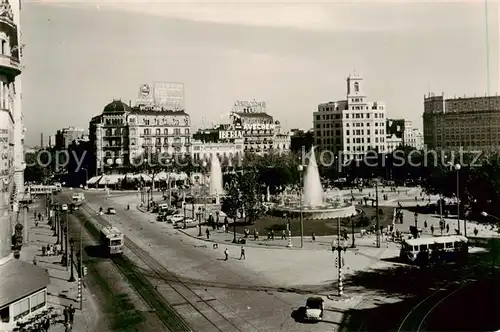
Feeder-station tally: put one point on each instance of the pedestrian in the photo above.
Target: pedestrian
(425, 224)
(34, 261)
(208, 233)
(432, 229)
(46, 324)
(226, 254)
(71, 313)
(36, 223)
(272, 234)
(223, 228)
(242, 254)
(447, 228)
(66, 315)
(475, 231)
(44, 250)
(39, 216)
(283, 235)
(313, 237)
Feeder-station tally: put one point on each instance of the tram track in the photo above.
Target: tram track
(208, 314)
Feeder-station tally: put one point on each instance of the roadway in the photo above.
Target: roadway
(196, 283)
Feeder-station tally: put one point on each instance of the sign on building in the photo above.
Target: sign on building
(230, 134)
(253, 106)
(169, 95)
(145, 96)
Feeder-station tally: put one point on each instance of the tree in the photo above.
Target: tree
(151, 164)
(232, 201)
(249, 195)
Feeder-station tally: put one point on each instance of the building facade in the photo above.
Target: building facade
(24, 286)
(226, 151)
(352, 126)
(122, 134)
(66, 136)
(469, 123)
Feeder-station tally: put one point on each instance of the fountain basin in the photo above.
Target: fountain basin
(321, 212)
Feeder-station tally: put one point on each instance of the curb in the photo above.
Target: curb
(248, 244)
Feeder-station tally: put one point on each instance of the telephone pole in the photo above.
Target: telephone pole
(377, 230)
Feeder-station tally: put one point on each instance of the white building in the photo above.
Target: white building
(225, 150)
(393, 143)
(23, 291)
(416, 139)
(352, 126)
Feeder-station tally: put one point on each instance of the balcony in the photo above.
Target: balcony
(188, 144)
(9, 66)
(177, 144)
(145, 145)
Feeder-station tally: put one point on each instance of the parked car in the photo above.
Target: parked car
(111, 210)
(175, 218)
(189, 223)
(162, 216)
(64, 207)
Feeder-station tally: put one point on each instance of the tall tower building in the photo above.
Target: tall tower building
(24, 286)
(351, 127)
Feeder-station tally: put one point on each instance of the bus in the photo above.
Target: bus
(444, 248)
(38, 189)
(78, 198)
(112, 240)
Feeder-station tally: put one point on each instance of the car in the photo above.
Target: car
(175, 218)
(64, 207)
(162, 216)
(314, 309)
(111, 210)
(188, 223)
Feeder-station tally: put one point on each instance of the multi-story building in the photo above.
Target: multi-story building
(470, 123)
(123, 133)
(230, 151)
(23, 286)
(301, 139)
(403, 129)
(352, 126)
(261, 133)
(417, 139)
(393, 143)
(66, 136)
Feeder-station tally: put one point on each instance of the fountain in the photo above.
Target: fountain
(215, 188)
(315, 203)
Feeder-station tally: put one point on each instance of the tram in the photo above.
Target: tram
(38, 189)
(112, 240)
(449, 248)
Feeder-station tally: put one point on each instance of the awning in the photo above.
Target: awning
(94, 179)
(19, 279)
(111, 179)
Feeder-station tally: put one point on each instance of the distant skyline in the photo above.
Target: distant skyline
(79, 56)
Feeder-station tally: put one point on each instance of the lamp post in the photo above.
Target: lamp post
(80, 270)
(64, 240)
(457, 168)
(198, 215)
(377, 216)
(205, 188)
(72, 247)
(416, 219)
(341, 247)
(289, 231)
(486, 214)
(300, 168)
(86, 175)
(353, 245)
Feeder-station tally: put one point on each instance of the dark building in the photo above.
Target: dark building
(395, 127)
(66, 136)
(301, 139)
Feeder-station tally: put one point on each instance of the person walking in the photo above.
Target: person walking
(71, 313)
(208, 233)
(226, 254)
(35, 261)
(66, 316)
(242, 253)
(432, 229)
(447, 228)
(475, 231)
(313, 237)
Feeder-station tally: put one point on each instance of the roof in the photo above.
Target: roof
(19, 279)
(437, 239)
(253, 115)
(163, 112)
(116, 106)
(111, 231)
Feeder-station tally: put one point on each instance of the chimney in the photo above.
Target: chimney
(130, 103)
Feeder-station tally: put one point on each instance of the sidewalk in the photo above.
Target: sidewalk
(60, 292)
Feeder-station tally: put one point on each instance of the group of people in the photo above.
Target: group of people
(242, 253)
(69, 315)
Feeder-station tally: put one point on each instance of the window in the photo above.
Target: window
(158, 132)
(5, 314)
(21, 309)
(165, 131)
(449, 245)
(423, 247)
(38, 300)
(356, 87)
(186, 131)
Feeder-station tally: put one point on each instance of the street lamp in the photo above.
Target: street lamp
(486, 214)
(416, 219)
(80, 270)
(72, 247)
(300, 168)
(64, 240)
(289, 231)
(457, 168)
(341, 247)
(353, 245)
(86, 175)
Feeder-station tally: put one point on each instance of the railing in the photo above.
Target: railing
(10, 62)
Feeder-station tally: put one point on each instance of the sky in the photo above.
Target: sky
(80, 55)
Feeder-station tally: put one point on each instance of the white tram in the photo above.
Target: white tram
(449, 247)
(38, 189)
(112, 240)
